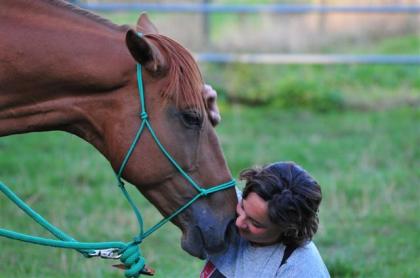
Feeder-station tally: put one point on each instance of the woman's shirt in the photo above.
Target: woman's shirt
(243, 260)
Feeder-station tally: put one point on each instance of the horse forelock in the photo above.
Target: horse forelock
(185, 83)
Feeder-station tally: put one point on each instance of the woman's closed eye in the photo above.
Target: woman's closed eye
(257, 225)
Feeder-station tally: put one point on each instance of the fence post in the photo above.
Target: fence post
(321, 17)
(206, 26)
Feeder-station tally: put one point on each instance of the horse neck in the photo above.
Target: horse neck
(56, 65)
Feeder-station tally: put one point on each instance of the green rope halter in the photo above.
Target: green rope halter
(128, 252)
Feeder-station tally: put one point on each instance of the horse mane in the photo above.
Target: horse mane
(85, 13)
(185, 85)
(185, 81)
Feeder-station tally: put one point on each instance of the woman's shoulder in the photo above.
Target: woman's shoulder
(305, 261)
(308, 249)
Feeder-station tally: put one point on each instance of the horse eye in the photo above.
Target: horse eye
(191, 118)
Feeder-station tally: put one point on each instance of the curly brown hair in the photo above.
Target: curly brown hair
(293, 198)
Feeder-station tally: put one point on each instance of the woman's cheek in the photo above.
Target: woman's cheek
(256, 231)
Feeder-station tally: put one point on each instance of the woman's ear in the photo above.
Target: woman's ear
(144, 52)
(210, 97)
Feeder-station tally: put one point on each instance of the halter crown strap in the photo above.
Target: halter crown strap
(129, 252)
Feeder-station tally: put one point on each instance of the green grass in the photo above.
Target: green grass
(367, 163)
(324, 87)
(69, 183)
(317, 87)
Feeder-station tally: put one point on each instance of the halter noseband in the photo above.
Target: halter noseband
(128, 252)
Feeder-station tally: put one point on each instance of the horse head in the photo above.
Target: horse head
(86, 84)
(183, 118)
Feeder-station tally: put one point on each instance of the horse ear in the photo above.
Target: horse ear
(145, 26)
(144, 52)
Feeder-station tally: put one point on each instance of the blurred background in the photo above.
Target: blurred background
(331, 85)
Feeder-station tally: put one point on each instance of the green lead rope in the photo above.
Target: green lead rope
(128, 253)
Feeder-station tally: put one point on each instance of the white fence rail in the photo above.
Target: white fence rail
(207, 8)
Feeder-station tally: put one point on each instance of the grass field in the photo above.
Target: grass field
(367, 162)
(364, 152)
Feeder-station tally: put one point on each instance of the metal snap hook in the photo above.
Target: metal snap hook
(111, 253)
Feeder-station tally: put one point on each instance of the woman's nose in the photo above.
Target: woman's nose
(240, 222)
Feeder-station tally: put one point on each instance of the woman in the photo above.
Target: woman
(277, 216)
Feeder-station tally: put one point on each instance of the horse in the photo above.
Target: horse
(67, 69)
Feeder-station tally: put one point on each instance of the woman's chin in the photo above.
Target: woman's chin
(243, 234)
(249, 238)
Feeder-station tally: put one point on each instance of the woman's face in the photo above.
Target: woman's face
(253, 222)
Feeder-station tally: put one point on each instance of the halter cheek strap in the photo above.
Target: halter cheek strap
(128, 252)
(146, 123)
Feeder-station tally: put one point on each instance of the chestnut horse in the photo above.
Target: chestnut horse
(63, 68)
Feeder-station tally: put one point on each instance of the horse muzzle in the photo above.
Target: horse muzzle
(208, 232)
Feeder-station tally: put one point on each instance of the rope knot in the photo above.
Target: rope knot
(144, 116)
(138, 239)
(204, 192)
(133, 261)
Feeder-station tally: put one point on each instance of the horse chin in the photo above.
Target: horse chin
(192, 243)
